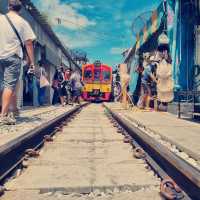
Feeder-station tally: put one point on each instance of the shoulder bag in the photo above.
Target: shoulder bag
(25, 54)
(43, 80)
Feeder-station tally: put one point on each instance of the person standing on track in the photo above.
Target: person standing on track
(55, 83)
(15, 32)
(61, 85)
(67, 75)
(76, 84)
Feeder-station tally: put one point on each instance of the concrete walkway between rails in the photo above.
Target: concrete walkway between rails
(183, 134)
(87, 160)
(30, 119)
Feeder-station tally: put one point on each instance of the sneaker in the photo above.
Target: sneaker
(14, 114)
(7, 120)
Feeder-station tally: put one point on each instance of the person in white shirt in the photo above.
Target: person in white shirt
(11, 55)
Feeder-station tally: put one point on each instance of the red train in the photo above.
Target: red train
(97, 80)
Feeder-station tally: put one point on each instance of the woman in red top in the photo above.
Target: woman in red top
(67, 74)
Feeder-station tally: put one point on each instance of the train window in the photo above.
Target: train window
(97, 74)
(87, 74)
(106, 75)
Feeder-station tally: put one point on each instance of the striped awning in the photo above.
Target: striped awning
(151, 26)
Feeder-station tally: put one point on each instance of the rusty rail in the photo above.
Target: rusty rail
(185, 175)
(12, 153)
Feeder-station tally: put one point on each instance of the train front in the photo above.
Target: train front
(97, 80)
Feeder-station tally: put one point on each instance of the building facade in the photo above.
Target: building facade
(47, 48)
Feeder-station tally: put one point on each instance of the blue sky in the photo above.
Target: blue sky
(102, 28)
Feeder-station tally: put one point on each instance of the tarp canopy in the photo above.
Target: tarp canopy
(151, 26)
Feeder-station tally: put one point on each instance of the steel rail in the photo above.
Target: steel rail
(185, 175)
(193, 155)
(12, 153)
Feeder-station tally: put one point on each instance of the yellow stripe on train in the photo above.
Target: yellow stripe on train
(101, 87)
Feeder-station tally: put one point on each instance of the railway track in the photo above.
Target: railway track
(94, 155)
(163, 161)
(12, 154)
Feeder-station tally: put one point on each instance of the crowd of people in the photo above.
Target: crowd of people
(155, 85)
(67, 86)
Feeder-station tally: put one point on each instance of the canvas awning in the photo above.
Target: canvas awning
(151, 26)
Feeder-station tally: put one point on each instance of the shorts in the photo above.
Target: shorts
(62, 91)
(146, 89)
(9, 72)
(76, 93)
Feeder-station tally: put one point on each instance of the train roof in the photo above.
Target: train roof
(92, 64)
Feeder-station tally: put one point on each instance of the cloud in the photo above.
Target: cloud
(90, 6)
(128, 23)
(76, 5)
(118, 17)
(78, 40)
(99, 28)
(116, 50)
(69, 14)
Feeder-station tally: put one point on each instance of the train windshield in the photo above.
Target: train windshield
(97, 74)
(88, 74)
(106, 75)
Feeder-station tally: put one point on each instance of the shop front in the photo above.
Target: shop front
(178, 20)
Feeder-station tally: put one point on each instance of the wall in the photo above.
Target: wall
(197, 62)
(3, 6)
(187, 39)
(182, 40)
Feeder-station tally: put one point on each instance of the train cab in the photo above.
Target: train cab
(97, 78)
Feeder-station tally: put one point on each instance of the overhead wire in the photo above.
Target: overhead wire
(108, 37)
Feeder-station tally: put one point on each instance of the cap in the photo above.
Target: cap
(14, 3)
